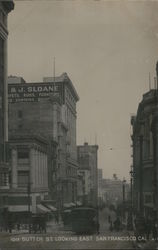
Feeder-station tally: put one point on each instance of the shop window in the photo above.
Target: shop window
(23, 178)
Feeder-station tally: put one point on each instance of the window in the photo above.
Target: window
(20, 126)
(3, 179)
(20, 114)
(23, 178)
(24, 154)
(148, 198)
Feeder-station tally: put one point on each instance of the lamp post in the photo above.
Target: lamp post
(141, 207)
(29, 205)
(123, 196)
(130, 218)
(131, 186)
(29, 200)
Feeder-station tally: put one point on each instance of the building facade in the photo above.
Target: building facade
(28, 174)
(48, 109)
(88, 160)
(84, 186)
(112, 191)
(145, 156)
(100, 189)
(5, 8)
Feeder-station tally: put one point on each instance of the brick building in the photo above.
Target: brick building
(48, 109)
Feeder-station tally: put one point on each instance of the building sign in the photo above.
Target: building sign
(32, 92)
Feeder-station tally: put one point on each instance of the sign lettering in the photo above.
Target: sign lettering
(33, 92)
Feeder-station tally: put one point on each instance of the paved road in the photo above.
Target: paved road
(60, 239)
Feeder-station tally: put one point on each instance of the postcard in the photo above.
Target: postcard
(78, 124)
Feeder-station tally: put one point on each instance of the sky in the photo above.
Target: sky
(107, 49)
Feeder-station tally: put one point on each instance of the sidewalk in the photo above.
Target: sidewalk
(51, 227)
(143, 244)
(147, 245)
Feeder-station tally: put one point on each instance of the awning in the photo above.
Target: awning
(42, 209)
(68, 205)
(150, 205)
(73, 204)
(18, 208)
(67, 211)
(53, 209)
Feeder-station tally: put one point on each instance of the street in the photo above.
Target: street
(60, 239)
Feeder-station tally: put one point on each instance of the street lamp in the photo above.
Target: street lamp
(29, 204)
(123, 196)
(131, 184)
(130, 215)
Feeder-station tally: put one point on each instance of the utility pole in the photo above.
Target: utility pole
(29, 203)
(130, 218)
(141, 207)
(123, 197)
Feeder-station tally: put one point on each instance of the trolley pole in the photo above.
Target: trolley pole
(29, 204)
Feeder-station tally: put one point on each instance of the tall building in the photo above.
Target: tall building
(100, 190)
(145, 154)
(48, 109)
(88, 160)
(84, 186)
(5, 8)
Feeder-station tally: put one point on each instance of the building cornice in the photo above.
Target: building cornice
(8, 5)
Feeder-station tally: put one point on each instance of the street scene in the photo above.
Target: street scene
(78, 125)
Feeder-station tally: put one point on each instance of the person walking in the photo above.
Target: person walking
(154, 230)
(111, 226)
(147, 228)
(109, 218)
(117, 224)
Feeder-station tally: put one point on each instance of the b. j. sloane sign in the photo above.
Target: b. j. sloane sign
(32, 92)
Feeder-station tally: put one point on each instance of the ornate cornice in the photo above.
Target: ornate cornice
(8, 5)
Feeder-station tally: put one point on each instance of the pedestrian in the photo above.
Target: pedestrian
(18, 226)
(57, 218)
(147, 228)
(117, 224)
(10, 226)
(109, 218)
(154, 230)
(111, 226)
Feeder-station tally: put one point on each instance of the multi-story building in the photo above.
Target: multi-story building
(48, 109)
(84, 186)
(112, 190)
(145, 156)
(5, 8)
(100, 189)
(29, 174)
(88, 160)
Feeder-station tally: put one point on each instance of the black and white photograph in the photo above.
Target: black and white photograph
(78, 124)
